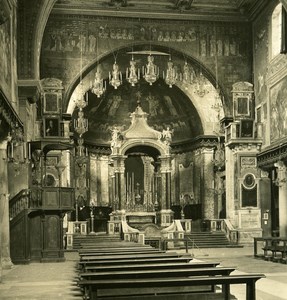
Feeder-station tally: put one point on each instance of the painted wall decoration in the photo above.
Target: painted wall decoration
(67, 36)
(278, 110)
(5, 54)
(71, 36)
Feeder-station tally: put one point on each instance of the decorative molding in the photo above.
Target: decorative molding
(268, 157)
(276, 70)
(8, 113)
(207, 141)
(248, 162)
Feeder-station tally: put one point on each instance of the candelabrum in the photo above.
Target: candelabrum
(92, 206)
(81, 123)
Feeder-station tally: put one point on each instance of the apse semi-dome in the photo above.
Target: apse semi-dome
(166, 107)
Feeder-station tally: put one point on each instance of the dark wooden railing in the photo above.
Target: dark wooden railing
(44, 198)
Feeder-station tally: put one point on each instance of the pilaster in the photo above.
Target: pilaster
(208, 182)
(6, 262)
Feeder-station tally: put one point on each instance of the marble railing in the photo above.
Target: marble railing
(225, 226)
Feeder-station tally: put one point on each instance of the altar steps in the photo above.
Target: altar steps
(89, 241)
(207, 239)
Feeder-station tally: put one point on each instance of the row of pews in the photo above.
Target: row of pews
(273, 249)
(143, 272)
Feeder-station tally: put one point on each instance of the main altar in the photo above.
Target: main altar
(141, 174)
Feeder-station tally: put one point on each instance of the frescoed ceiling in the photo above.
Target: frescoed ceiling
(235, 10)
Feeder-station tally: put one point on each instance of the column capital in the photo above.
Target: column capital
(280, 166)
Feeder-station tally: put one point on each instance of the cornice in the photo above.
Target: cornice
(150, 14)
(207, 142)
(269, 156)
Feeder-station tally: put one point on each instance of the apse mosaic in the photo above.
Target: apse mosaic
(166, 108)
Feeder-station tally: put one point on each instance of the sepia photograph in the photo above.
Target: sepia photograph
(143, 150)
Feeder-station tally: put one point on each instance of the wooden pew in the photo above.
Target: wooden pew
(272, 246)
(117, 249)
(83, 264)
(153, 273)
(106, 244)
(105, 253)
(142, 287)
(156, 266)
(132, 256)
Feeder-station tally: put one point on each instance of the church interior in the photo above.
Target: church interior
(141, 120)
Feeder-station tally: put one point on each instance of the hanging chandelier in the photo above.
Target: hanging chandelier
(132, 73)
(171, 75)
(99, 85)
(150, 71)
(81, 123)
(115, 77)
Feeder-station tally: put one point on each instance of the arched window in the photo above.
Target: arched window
(278, 31)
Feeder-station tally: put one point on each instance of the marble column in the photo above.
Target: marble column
(119, 169)
(282, 183)
(122, 186)
(166, 182)
(6, 262)
(163, 190)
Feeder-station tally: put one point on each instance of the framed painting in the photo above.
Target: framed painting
(246, 129)
(278, 108)
(51, 103)
(51, 127)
